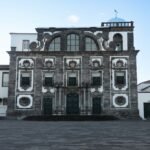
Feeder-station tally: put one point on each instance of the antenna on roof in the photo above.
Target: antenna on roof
(116, 13)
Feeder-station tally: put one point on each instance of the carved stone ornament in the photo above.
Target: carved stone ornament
(119, 63)
(47, 36)
(49, 64)
(99, 35)
(120, 100)
(24, 101)
(33, 46)
(96, 64)
(72, 64)
(26, 63)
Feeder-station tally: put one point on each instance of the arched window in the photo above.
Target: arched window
(55, 44)
(73, 42)
(90, 44)
(118, 41)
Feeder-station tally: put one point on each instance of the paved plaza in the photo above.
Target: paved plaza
(100, 135)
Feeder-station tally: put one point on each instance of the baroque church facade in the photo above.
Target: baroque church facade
(74, 71)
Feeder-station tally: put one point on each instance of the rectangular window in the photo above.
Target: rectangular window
(72, 79)
(96, 79)
(120, 78)
(72, 42)
(25, 45)
(5, 78)
(25, 80)
(48, 80)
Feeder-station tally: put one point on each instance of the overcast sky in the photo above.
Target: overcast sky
(26, 15)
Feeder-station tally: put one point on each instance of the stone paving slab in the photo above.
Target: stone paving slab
(102, 135)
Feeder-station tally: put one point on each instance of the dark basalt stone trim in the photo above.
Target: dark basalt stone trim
(53, 29)
(67, 53)
(4, 67)
(92, 29)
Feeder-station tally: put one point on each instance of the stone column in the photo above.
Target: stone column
(37, 77)
(11, 86)
(106, 86)
(133, 84)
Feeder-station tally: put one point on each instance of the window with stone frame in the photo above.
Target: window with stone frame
(118, 42)
(25, 45)
(120, 78)
(48, 80)
(5, 79)
(97, 79)
(24, 101)
(120, 100)
(55, 44)
(72, 79)
(73, 42)
(90, 44)
(25, 79)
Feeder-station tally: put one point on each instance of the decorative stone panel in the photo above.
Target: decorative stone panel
(26, 63)
(24, 102)
(72, 63)
(49, 62)
(96, 61)
(120, 100)
(119, 62)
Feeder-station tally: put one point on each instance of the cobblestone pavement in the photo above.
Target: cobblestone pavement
(106, 135)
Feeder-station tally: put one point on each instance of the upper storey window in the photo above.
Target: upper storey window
(90, 44)
(5, 78)
(118, 41)
(55, 44)
(72, 42)
(25, 45)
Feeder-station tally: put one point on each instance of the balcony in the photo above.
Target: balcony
(117, 24)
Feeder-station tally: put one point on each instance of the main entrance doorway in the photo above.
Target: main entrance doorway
(72, 103)
(96, 105)
(47, 105)
(147, 110)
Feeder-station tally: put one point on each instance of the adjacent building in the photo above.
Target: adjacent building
(74, 71)
(144, 99)
(4, 76)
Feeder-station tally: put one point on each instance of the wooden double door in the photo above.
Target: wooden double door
(96, 105)
(72, 104)
(47, 105)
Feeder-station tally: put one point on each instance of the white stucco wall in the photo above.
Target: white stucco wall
(124, 38)
(142, 98)
(3, 90)
(3, 94)
(17, 38)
